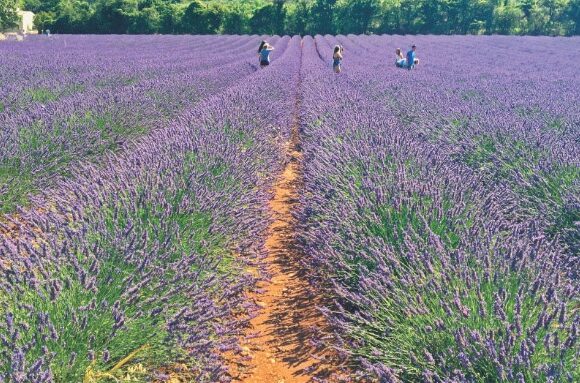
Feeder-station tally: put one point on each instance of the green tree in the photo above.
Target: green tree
(356, 16)
(557, 22)
(44, 20)
(233, 22)
(170, 18)
(482, 16)
(507, 19)
(536, 17)
(434, 16)
(8, 16)
(460, 13)
(38, 6)
(269, 19)
(297, 17)
(321, 17)
(390, 16)
(147, 20)
(73, 17)
(192, 19)
(114, 16)
(573, 14)
(412, 17)
(200, 19)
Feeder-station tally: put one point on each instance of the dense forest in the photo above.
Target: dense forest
(533, 17)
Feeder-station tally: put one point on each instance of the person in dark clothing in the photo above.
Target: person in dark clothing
(264, 54)
(260, 48)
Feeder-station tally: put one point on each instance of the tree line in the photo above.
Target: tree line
(533, 17)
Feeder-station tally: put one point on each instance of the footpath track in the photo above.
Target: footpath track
(280, 346)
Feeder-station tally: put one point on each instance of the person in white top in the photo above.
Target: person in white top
(400, 60)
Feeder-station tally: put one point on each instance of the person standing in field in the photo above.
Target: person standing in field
(412, 59)
(260, 49)
(265, 50)
(337, 58)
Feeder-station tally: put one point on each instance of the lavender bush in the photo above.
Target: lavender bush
(84, 96)
(142, 261)
(439, 268)
(522, 134)
(439, 207)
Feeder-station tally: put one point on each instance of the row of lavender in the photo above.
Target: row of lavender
(521, 135)
(71, 102)
(135, 269)
(438, 271)
(75, 62)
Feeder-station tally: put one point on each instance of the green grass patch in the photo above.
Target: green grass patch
(71, 89)
(450, 130)
(529, 111)
(81, 331)
(42, 95)
(502, 157)
(15, 186)
(242, 138)
(552, 185)
(130, 80)
(557, 125)
(481, 155)
(44, 151)
(405, 326)
(393, 222)
(472, 95)
(111, 128)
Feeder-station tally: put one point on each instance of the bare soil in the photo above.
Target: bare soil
(280, 346)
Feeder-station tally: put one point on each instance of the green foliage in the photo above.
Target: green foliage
(321, 15)
(198, 19)
(269, 19)
(413, 319)
(403, 330)
(37, 6)
(358, 16)
(534, 17)
(507, 19)
(42, 95)
(44, 20)
(8, 17)
(14, 187)
(146, 334)
(16, 177)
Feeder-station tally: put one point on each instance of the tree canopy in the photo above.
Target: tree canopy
(8, 17)
(534, 17)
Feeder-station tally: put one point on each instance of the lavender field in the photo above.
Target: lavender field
(438, 209)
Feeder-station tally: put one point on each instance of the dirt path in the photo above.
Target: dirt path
(288, 321)
(279, 345)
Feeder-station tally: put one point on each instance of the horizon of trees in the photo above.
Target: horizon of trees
(530, 17)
